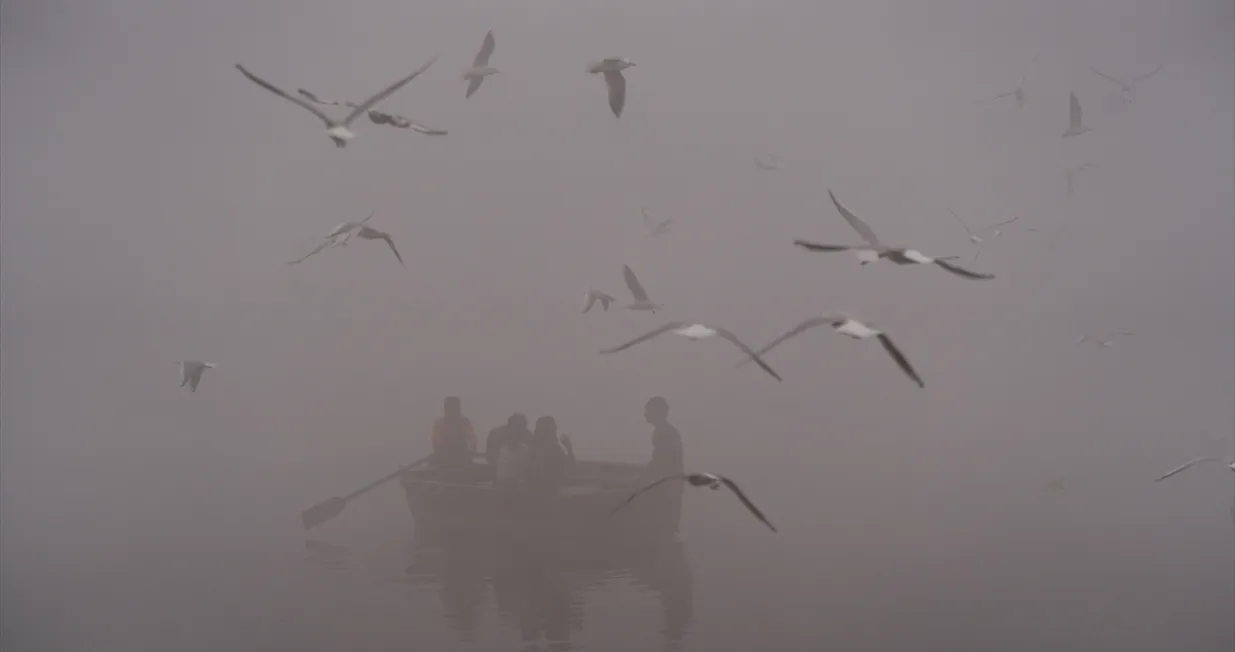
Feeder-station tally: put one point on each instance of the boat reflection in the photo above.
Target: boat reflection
(539, 582)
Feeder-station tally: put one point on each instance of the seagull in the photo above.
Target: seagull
(655, 227)
(1126, 89)
(612, 68)
(767, 163)
(1018, 94)
(191, 373)
(642, 302)
(378, 117)
(875, 250)
(976, 239)
(1071, 172)
(709, 480)
(1075, 128)
(695, 332)
(480, 66)
(593, 296)
(337, 130)
(345, 231)
(1191, 463)
(851, 327)
(1103, 342)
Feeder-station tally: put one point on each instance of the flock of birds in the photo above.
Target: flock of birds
(870, 250)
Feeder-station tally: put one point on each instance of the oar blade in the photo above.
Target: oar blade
(322, 512)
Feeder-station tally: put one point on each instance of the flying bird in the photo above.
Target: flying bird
(850, 327)
(612, 69)
(767, 163)
(874, 250)
(1106, 342)
(696, 332)
(345, 231)
(1191, 463)
(1071, 172)
(1075, 128)
(655, 227)
(480, 65)
(1125, 88)
(977, 239)
(593, 296)
(191, 373)
(642, 302)
(1017, 94)
(337, 130)
(378, 117)
(709, 480)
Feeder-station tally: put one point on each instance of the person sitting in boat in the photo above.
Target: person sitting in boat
(515, 427)
(549, 463)
(511, 463)
(454, 440)
(668, 459)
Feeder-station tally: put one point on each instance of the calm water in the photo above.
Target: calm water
(876, 577)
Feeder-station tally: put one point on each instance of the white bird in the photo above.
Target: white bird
(975, 238)
(711, 481)
(1106, 342)
(696, 332)
(655, 227)
(378, 117)
(1018, 94)
(850, 327)
(593, 296)
(1126, 88)
(874, 250)
(337, 129)
(191, 373)
(480, 65)
(1075, 128)
(767, 163)
(642, 302)
(612, 69)
(1191, 463)
(345, 231)
(1071, 172)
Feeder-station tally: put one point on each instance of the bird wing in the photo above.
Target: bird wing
(323, 245)
(486, 49)
(1148, 74)
(383, 94)
(961, 271)
(815, 246)
(647, 218)
(317, 100)
(728, 335)
(633, 283)
(997, 97)
(1074, 110)
(617, 91)
(374, 233)
(1126, 87)
(291, 98)
(426, 130)
(1187, 465)
(472, 85)
(963, 225)
(901, 360)
(184, 374)
(643, 490)
(733, 486)
(591, 299)
(857, 224)
(999, 224)
(647, 336)
(804, 326)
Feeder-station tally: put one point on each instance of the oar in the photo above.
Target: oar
(328, 509)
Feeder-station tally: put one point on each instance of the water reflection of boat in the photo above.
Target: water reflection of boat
(540, 581)
(583, 507)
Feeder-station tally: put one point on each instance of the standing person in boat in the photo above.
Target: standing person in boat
(454, 440)
(668, 458)
(515, 426)
(549, 465)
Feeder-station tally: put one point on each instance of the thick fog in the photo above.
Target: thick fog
(151, 197)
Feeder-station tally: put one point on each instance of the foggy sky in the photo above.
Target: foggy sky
(150, 195)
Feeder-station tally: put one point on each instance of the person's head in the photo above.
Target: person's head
(517, 421)
(453, 407)
(656, 409)
(546, 428)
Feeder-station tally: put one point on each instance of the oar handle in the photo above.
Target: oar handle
(387, 478)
